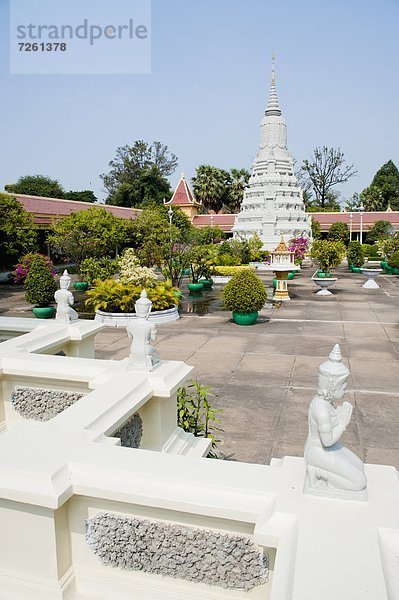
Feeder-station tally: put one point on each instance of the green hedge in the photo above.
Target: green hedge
(226, 271)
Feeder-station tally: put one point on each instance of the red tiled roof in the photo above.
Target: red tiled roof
(225, 222)
(182, 195)
(369, 218)
(44, 210)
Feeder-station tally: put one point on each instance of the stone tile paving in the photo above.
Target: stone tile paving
(265, 375)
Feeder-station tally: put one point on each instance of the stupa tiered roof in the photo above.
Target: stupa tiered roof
(273, 201)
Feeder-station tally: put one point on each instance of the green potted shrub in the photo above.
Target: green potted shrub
(40, 288)
(244, 295)
(355, 256)
(328, 254)
(200, 260)
(393, 262)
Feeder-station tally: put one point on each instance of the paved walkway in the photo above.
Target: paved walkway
(265, 375)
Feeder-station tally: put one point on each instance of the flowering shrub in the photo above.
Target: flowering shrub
(299, 246)
(23, 267)
(130, 270)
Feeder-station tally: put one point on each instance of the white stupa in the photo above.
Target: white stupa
(273, 202)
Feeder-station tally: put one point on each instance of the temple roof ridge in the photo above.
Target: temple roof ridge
(182, 195)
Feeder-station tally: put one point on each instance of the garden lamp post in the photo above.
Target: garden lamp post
(212, 219)
(361, 211)
(350, 226)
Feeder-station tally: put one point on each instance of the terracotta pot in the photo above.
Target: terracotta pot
(44, 312)
(245, 318)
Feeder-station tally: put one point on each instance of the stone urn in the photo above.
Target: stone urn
(324, 283)
(371, 274)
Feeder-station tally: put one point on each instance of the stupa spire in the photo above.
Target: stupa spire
(273, 108)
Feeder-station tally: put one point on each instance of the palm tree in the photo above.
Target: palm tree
(210, 187)
(238, 182)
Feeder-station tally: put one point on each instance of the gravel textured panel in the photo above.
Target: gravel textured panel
(200, 555)
(41, 404)
(131, 433)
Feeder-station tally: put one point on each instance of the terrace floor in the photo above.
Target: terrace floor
(265, 375)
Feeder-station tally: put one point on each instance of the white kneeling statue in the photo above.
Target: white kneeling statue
(331, 469)
(143, 356)
(64, 299)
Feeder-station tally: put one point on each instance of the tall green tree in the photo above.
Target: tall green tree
(18, 232)
(148, 188)
(131, 161)
(353, 203)
(380, 230)
(211, 187)
(94, 232)
(36, 185)
(383, 190)
(339, 232)
(238, 182)
(326, 168)
(83, 196)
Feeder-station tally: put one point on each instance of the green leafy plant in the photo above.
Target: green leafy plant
(244, 293)
(354, 254)
(339, 232)
(393, 260)
(40, 286)
(97, 268)
(389, 245)
(370, 250)
(196, 415)
(328, 253)
(201, 261)
(117, 296)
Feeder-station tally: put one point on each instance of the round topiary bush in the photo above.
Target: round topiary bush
(40, 285)
(393, 260)
(355, 254)
(244, 293)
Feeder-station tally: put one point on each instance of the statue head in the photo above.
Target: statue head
(143, 305)
(65, 280)
(333, 376)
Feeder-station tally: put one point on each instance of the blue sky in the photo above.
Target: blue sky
(336, 75)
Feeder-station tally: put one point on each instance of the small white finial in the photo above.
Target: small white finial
(273, 57)
(335, 354)
(182, 176)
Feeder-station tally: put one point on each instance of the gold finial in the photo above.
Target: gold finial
(282, 246)
(273, 57)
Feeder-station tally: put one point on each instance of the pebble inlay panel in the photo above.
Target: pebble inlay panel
(42, 404)
(198, 555)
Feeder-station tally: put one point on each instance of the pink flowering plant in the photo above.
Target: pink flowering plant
(300, 246)
(23, 267)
